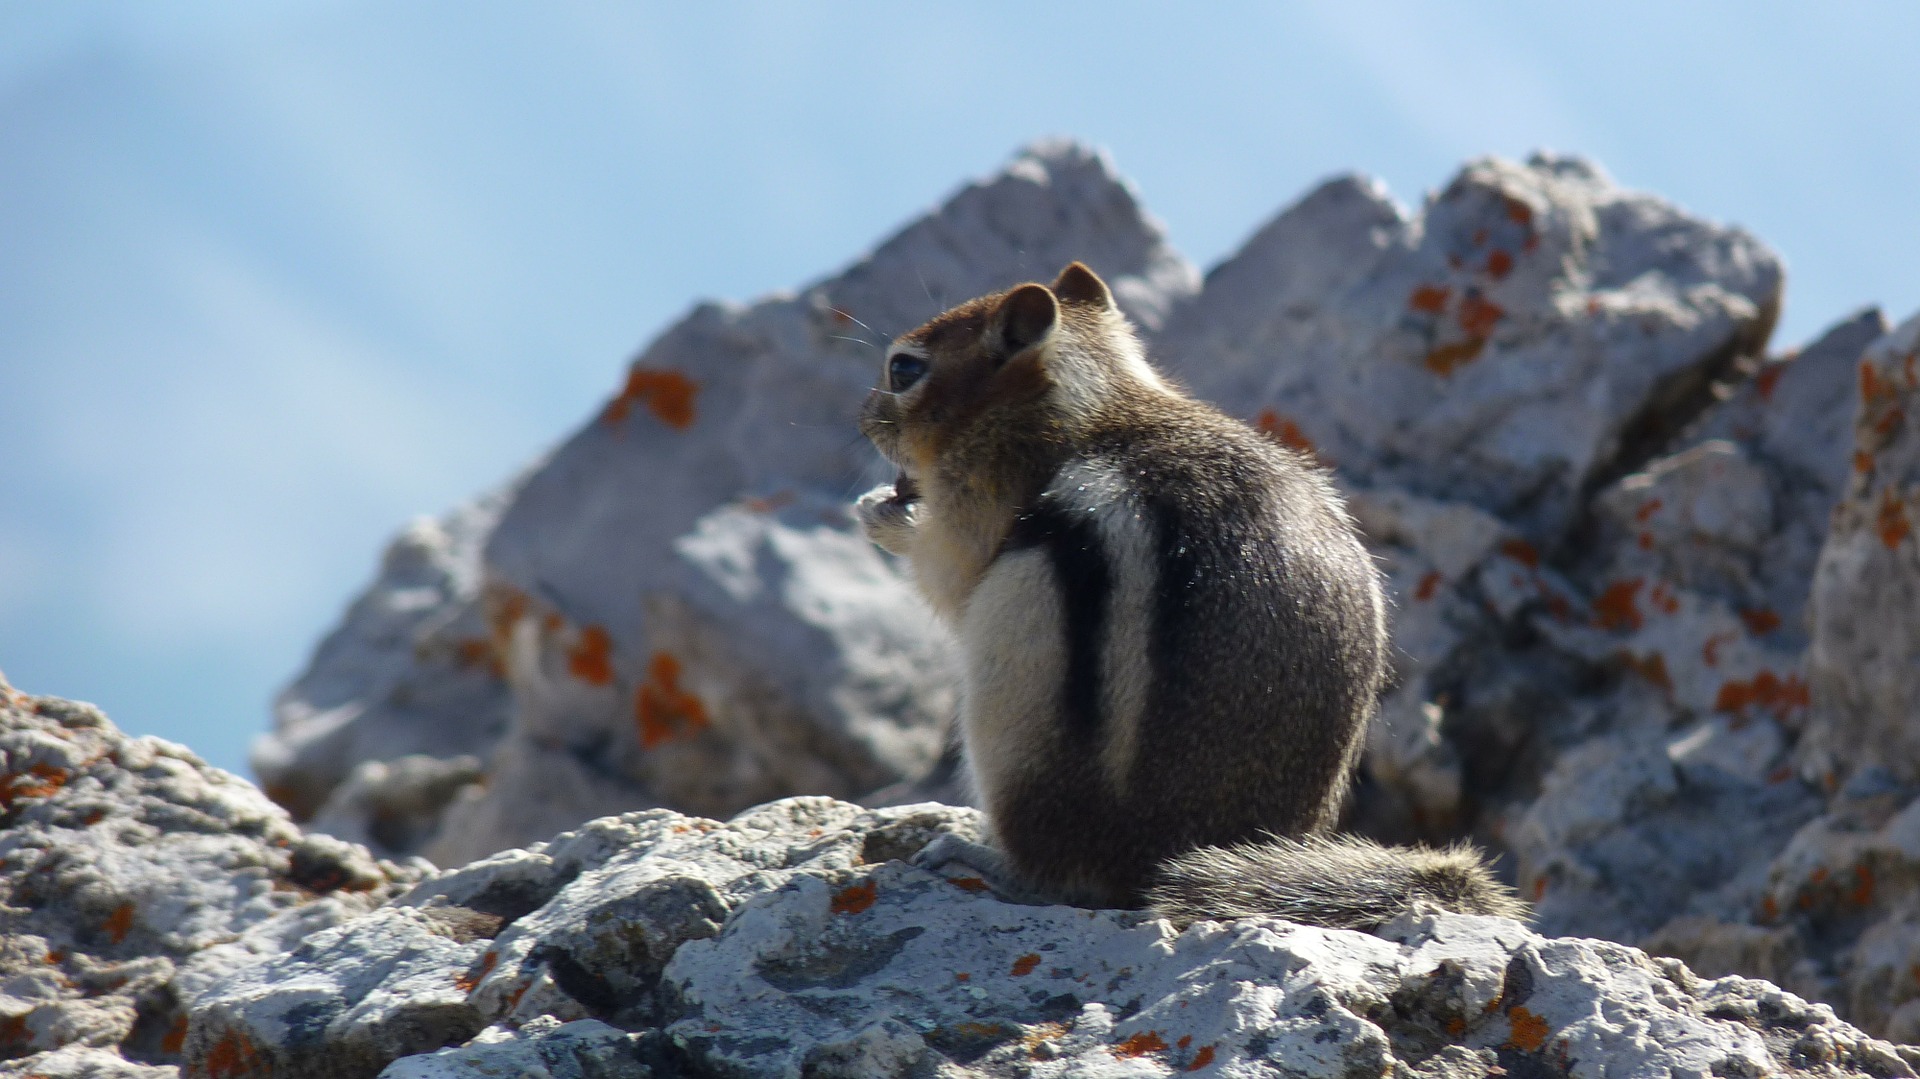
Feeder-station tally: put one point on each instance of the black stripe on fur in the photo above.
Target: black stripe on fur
(1079, 560)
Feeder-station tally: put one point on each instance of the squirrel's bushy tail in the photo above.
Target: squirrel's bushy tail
(1341, 882)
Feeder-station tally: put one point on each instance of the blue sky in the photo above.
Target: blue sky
(275, 278)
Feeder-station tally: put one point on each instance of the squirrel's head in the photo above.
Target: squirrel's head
(1032, 366)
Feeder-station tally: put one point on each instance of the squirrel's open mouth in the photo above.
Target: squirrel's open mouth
(905, 491)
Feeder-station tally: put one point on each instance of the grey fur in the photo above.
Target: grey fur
(1173, 636)
(1342, 882)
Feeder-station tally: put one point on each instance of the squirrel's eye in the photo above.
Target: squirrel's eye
(903, 371)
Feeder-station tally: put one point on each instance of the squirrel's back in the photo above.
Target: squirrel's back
(1221, 641)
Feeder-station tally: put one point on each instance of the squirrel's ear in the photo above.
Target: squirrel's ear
(1025, 318)
(1078, 284)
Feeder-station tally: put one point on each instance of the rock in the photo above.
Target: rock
(131, 876)
(576, 928)
(1657, 819)
(387, 805)
(409, 671)
(1865, 659)
(1747, 848)
(1429, 552)
(1529, 332)
(792, 940)
(540, 1049)
(343, 1002)
(84, 1062)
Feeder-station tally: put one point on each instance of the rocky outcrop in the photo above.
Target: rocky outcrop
(132, 876)
(163, 919)
(1532, 329)
(793, 941)
(1652, 585)
(1866, 590)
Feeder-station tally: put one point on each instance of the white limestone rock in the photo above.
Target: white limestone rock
(1698, 568)
(1503, 347)
(392, 806)
(131, 876)
(542, 1048)
(1428, 552)
(345, 1001)
(576, 928)
(410, 670)
(793, 940)
(83, 1062)
(1865, 658)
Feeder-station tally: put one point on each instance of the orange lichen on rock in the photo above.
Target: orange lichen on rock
(667, 394)
(1891, 520)
(176, 1036)
(1522, 552)
(1862, 893)
(1499, 264)
(1200, 1059)
(1768, 378)
(37, 781)
(591, 659)
(1663, 599)
(1862, 461)
(855, 898)
(1446, 359)
(775, 501)
(1519, 212)
(1478, 315)
(119, 923)
(232, 1057)
(1873, 387)
(968, 884)
(1529, 1030)
(1647, 509)
(1767, 691)
(1428, 585)
(503, 613)
(1710, 651)
(1558, 607)
(664, 710)
(1147, 1041)
(1616, 609)
(478, 652)
(1653, 668)
(1041, 1033)
(466, 980)
(1024, 965)
(1760, 620)
(1429, 299)
(1283, 430)
(14, 1032)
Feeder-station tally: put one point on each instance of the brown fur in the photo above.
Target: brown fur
(1173, 638)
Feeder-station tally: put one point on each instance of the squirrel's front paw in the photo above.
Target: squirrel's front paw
(886, 515)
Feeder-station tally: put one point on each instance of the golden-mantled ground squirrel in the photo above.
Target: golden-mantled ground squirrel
(1172, 637)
